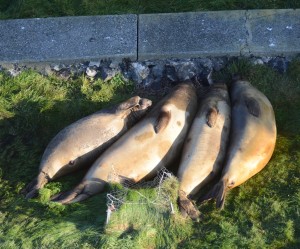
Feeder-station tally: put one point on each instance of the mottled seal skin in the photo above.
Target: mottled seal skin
(205, 146)
(150, 145)
(252, 139)
(80, 143)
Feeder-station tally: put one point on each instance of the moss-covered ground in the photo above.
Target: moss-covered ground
(10, 9)
(261, 213)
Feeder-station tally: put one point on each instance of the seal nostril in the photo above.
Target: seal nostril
(72, 162)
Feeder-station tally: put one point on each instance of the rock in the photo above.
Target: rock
(154, 74)
(182, 70)
(280, 64)
(58, 67)
(74, 70)
(64, 73)
(94, 64)
(187, 70)
(15, 71)
(48, 70)
(266, 59)
(205, 62)
(114, 65)
(158, 71)
(171, 73)
(148, 82)
(91, 71)
(219, 63)
(139, 72)
(258, 61)
(78, 69)
(108, 73)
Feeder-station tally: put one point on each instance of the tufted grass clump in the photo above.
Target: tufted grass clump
(145, 219)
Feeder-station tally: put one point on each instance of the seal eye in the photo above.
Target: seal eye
(72, 162)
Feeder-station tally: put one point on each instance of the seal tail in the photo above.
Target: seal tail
(217, 192)
(32, 189)
(81, 192)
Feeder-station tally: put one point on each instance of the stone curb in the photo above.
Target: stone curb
(219, 33)
(68, 38)
(151, 36)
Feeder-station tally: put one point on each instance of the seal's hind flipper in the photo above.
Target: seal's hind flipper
(81, 192)
(211, 117)
(253, 106)
(217, 192)
(221, 194)
(187, 207)
(162, 121)
(69, 196)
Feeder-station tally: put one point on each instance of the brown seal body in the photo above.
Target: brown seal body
(252, 138)
(205, 146)
(80, 143)
(150, 145)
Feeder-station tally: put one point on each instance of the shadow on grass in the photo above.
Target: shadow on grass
(29, 119)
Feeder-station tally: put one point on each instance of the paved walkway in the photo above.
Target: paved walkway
(151, 36)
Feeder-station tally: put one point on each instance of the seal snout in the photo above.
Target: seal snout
(145, 103)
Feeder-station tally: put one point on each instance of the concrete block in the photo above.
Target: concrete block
(274, 32)
(68, 38)
(192, 34)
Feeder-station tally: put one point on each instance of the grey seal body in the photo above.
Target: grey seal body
(205, 146)
(79, 144)
(252, 139)
(151, 144)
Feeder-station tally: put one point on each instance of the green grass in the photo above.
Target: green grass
(261, 213)
(142, 222)
(38, 8)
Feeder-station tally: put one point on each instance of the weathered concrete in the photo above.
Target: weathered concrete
(151, 36)
(68, 38)
(193, 34)
(273, 32)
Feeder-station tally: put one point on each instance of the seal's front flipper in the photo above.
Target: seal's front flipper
(79, 193)
(211, 117)
(162, 121)
(187, 207)
(253, 106)
(32, 189)
(129, 103)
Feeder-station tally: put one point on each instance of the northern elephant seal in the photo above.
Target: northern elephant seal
(150, 145)
(80, 143)
(205, 146)
(252, 139)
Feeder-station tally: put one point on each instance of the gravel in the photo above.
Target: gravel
(149, 74)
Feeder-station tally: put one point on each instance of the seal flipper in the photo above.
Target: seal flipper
(162, 121)
(81, 192)
(128, 103)
(218, 192)
(253, 106)
(32, 189)
(186, 206)
(211, 117)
